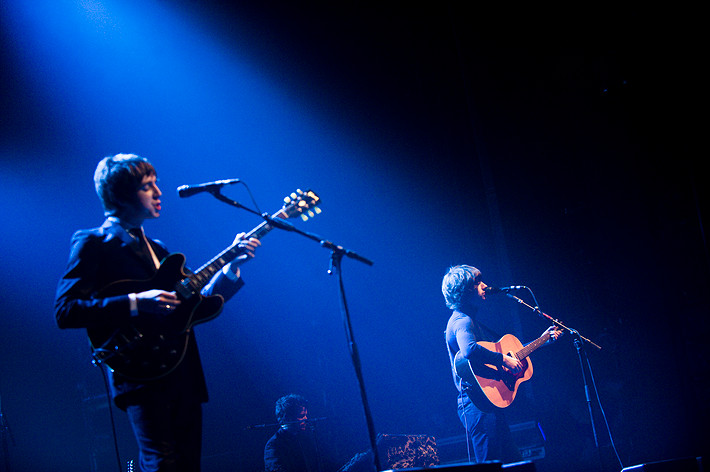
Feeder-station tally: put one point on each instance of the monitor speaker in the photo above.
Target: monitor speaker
(687, 464)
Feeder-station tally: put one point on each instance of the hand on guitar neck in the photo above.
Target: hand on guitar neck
(514, 366)
(246, 245)
(554, 332)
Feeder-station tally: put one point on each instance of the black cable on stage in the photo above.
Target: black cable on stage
(113, 422)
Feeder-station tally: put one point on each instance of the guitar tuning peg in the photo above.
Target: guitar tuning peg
(287, 200)
(294, 196)
(304, 217)
(317, 210)
(299, 191)
(311, 214)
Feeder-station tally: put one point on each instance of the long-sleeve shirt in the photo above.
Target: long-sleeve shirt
(463, 334)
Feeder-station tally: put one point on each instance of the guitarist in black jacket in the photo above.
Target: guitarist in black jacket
(486, 427)
(165, 412)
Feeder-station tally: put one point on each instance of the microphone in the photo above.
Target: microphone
(504, 289)
(185, 191)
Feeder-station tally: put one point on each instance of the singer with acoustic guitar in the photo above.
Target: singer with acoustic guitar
(486, 374)
(138, 330)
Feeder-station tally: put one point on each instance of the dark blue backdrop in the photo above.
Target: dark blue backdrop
(548, 148)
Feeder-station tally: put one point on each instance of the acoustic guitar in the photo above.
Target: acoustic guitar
(151, 346)
(492, 387)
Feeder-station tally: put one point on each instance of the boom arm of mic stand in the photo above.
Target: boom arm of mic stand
(271, 425)
(275, 222)
(556, 322)
(344, 252)
(216, 194)
(284, 225)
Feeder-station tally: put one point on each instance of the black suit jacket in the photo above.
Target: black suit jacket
(100, 256)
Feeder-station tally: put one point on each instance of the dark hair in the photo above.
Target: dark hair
(456, 284)
(118, 178)
(288, 406)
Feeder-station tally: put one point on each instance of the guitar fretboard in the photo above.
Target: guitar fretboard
(530, 348)
(205, 273)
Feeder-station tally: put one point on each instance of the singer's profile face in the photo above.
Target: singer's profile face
(149, 198)
(481, 290)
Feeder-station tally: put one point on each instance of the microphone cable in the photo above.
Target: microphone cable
(112, 420)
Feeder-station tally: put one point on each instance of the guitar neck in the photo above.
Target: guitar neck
(205, 273)
(530, 348)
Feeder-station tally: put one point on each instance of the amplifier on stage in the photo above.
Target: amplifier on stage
(404, 451)
(530, 439)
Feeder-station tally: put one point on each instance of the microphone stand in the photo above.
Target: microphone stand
(336, 255)
(275, 222)
(216, 194)
(337, 251)
(579, 341)
(556, 322)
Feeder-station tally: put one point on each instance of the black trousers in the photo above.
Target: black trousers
(169, 434)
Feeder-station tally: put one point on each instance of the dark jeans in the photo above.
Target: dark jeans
(169, 435)
(488, 433)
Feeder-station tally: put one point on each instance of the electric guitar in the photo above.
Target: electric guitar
(151, 346)
(494, 387)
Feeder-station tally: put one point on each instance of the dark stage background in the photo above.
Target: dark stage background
(550, 148)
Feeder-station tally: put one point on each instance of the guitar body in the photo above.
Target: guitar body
(151, 346)
(496, 388)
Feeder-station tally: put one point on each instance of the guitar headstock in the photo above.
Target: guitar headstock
(302, 203)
